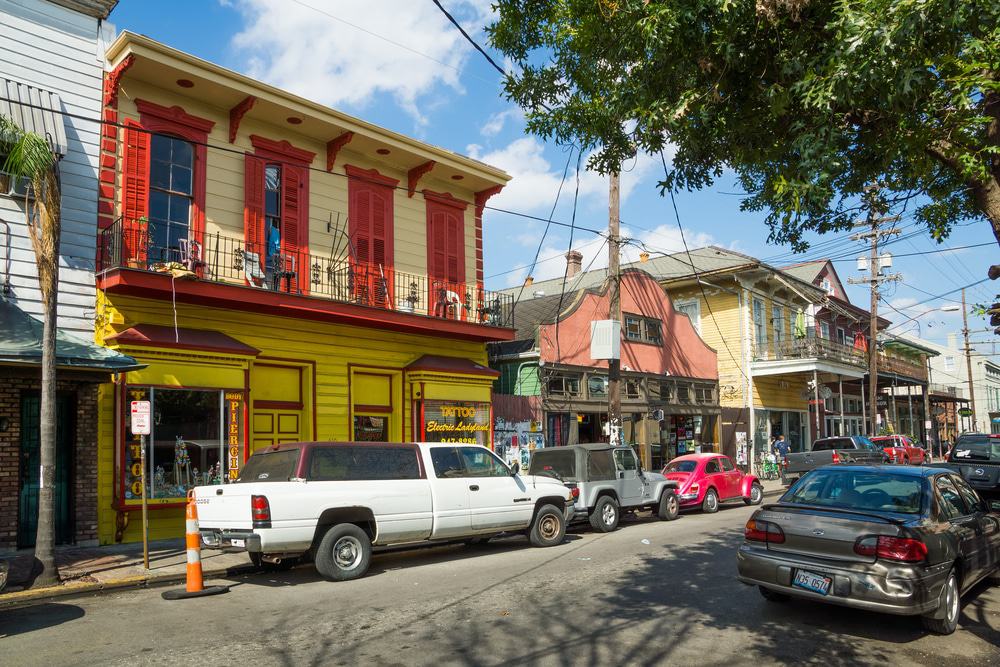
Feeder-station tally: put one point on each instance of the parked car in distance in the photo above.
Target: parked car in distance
(837, 450)
(976, 456)
(604, 481)
(898, 540)
(900, 449)
(706, 480)
(334, 502)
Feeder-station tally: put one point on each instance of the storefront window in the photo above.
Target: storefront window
(448, 421)
(196, 438)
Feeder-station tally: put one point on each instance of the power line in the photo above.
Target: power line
(940, 296)
(470, 40)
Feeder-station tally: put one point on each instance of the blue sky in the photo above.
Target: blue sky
(398, 63)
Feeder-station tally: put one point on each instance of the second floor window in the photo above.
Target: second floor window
(564, 385)
(277, 224)
(692, 309)
(633, 328)
(643, 330)
(778, 324)
(171, 193)
(759, 327)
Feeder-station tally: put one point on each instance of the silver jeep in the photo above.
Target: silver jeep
(606, 480)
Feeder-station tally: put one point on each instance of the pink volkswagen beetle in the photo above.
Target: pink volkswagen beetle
(706, 480)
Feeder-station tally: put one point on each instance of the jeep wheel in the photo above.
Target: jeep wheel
(605, 516)
(549, 528)
(711, 502)
(669, 507)
(344, 553)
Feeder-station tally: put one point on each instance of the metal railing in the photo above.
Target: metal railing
(812, 347)
(946, 390)
(144, 246)
(900, 367)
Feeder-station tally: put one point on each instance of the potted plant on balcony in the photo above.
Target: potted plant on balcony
(409, 302)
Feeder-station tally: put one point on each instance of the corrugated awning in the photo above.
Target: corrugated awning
(34, 110)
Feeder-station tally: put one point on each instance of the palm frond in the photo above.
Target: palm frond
(28, 153)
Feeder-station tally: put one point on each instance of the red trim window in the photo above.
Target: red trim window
(163, 185)
(370, 215)
(446, 253)
(276, 215)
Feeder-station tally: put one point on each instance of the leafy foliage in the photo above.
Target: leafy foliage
(806, 100)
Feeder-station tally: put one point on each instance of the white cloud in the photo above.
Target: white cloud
(343, 53)
(496, 122)
(536, 180)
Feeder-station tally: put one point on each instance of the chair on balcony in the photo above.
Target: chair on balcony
(255, 277)
(448, 304)
(283, 268)
(190, 254)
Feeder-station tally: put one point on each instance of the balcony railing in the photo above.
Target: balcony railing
(900, 367)
(816, 348)
(946, 390)
(221, 259)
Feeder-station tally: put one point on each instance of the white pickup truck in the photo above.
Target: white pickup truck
(334, 501)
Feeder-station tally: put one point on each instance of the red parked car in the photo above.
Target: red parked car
(705, 480)
(900, 449)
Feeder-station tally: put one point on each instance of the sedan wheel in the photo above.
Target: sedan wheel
(948, 609)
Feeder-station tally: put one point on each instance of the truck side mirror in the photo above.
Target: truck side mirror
(515, 468)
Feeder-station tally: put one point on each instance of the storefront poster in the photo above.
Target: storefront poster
(449, 421)
(234, 433)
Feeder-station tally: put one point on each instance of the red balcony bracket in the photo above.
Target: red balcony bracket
(483, 196)
(236, 115)
(414, 175)
(333, 147)
(156, 117)
(113, 79)
(445, 198)
(280, 150)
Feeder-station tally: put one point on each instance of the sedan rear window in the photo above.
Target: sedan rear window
(858, 490)
(270, 466)
(976, 448)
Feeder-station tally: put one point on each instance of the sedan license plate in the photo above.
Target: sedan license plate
(811, 581)
(237, 543)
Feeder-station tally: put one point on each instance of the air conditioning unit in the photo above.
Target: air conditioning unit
(605, 339)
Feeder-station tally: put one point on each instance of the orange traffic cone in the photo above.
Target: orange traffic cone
(192, 538)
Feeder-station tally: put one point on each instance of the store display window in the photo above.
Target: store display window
(196, 438)
(452, 421)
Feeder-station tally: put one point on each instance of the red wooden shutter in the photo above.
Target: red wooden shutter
(379, 227)
(455, 239)
(447, 244)
(253, 212)
(439, 241)
(135, 193)
(295, 220)
(362, 224)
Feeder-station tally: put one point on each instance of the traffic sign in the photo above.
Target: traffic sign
(140, 417)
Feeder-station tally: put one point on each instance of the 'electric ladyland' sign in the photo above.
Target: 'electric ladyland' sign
(446, 421)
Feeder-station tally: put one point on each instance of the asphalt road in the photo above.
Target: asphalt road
(649, 593)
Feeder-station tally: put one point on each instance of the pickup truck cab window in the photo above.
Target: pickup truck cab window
(363, 462)
(480, 462)
(270, 466)
(447, 462)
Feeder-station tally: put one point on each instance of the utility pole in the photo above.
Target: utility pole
(614, 298)
(968, 360)
(874, 280)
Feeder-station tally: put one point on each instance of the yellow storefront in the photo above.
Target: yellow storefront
(223, 383)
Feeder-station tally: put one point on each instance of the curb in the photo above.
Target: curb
(76, 589)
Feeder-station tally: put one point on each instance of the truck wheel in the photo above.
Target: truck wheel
(605, 516)
(669, 507)
(549, 528)
(711, 502)
(948, 609)
(344, 553)
(756, 495)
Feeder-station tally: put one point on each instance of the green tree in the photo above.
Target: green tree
(29, 156)
(806, 101)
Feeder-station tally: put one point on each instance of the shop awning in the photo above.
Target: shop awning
(34, 110)
(204, 340)
(441, 364)
(21, 344)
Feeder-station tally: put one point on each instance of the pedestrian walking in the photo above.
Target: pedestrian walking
(780, 449)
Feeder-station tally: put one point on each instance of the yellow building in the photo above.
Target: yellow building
(284, 272)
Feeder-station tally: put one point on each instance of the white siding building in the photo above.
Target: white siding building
(53, 51)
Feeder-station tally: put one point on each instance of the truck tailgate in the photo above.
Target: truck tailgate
(224, 506)
(806, 461)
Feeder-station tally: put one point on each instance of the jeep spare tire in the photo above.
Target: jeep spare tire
(549, 527)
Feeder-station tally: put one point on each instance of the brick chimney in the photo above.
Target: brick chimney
(574, 262)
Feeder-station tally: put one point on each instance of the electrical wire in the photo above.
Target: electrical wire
(469, 39)
(562, 291)
(940, 296)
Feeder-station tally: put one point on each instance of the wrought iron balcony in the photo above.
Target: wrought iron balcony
(140, 246)
(812, 347)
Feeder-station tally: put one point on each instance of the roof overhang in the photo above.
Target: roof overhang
(792, 366)
(225, 89)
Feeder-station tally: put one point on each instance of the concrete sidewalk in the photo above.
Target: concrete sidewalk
(91, 569)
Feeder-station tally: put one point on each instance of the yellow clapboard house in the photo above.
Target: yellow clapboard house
(283, 272)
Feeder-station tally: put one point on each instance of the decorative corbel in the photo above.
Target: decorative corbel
(483, 196)
(236, 115)
(414, 175)
(333, 147)
(112, 80)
